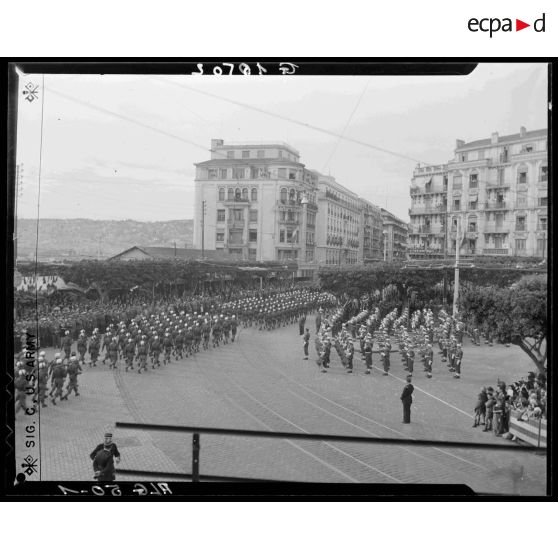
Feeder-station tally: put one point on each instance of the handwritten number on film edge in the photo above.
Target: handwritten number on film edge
(286, 68)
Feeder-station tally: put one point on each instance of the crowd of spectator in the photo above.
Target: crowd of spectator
(526, 399)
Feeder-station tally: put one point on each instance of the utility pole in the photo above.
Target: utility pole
(456, 277)
(203, 229)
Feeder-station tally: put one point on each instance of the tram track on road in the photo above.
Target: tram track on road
(322, 452)
(347, 412)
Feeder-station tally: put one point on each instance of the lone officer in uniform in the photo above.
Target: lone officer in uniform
(103, 457)
(428, 360)
(407, 400)
(306, 339)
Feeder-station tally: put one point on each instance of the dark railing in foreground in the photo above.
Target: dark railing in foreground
(196, 446)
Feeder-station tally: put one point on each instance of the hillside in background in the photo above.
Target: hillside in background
(75, 239)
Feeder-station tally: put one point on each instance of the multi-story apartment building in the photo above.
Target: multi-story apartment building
(257, 201)
(498, 195)
(371, 233)
(427, 230)
(339, 224)
(396, 233)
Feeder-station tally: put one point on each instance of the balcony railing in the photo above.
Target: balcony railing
(496, 205)
(505, 185)
(428, 210)
(496, 229)
(496, 251)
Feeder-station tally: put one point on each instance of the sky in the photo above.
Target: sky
(124, 147)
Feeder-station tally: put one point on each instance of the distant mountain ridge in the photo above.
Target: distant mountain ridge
(76, 239)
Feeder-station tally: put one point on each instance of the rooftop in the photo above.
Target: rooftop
(543, 132)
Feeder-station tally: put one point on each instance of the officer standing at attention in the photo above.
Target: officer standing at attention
(407, 400)
(306, 339)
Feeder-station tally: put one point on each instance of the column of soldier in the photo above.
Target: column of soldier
(413, 334)
(143, 340)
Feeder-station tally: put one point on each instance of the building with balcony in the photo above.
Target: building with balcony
(338, 234)
(428, 212)
(257, 201)
(497, 199)
(371, 233)
(396, 235)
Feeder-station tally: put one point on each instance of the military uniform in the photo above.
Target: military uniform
(407, 400)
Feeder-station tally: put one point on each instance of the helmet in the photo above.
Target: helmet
(58, 361)
(73, 358)
(57, 355)
(42, 353)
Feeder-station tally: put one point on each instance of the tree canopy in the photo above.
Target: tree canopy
(516, 315)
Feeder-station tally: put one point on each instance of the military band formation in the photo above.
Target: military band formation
(414, 335)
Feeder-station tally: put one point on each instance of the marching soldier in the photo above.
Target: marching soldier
(94, 348)
(428, 361)
(385, 354)
(73, 369)
(42, 381)
(306, 339)
(349, 354)
(142, 356)
(20, 384)
(167, 346)
(130, 349)
(82, 346)
(58, 377)
(66, 344)
(458, 359)
(368, 356)
(234, 327)
(410, 359)
(155, 352)
(113, 352)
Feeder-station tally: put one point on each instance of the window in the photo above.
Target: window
(292, 174)
(472, 226)
(238, 173)
(542, 224)
(245, 194)
(252, 253)
(473, 204)
(282, 173)
(282, 235)
(292, 195)
(253, 216)
(254, 195)
(527, 149)
(473, 180)
(252, 235)
(290, 236)
(230, 194)
(521, 201)
(463, 157)
(457, 180)
(283, 195)
(220, 237)
(223, 174)
(238, 214)
(543, 202)
(235, 237)
(220, 215)
(235, 251)
(261, 154)
(211, 174)
(541, 247)
(501, 177)
(498, 241)
(520, 223)
(230, 154)
(499, 220)
(237, 194)
(543, 174)
(280, 154)
(456, 205)
(221, 194)
(522, 177)
(246, 154)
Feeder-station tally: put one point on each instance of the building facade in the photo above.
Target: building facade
(498, 195)
(257, 201)
(371, 233)
(428, 213)
(396, 234)
(338, 233)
